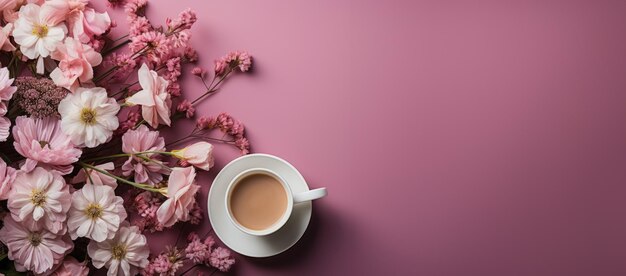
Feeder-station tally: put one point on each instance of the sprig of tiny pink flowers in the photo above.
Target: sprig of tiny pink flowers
(198, 253)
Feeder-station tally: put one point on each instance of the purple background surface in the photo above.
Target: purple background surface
(455, 137)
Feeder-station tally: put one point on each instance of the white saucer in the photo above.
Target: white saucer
(246, 244)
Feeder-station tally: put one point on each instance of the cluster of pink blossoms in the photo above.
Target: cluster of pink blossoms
(66, 158)
(197, 252)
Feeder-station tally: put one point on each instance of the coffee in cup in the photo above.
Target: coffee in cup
(260, 202)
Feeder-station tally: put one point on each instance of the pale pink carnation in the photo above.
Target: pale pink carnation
(40, 197)
(43, 143)
(33, 247)
(71, 267)
(181, 191)
(221, 259)
(7, 176)
(142, 140)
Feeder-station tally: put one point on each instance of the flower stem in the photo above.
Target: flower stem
(123, 180)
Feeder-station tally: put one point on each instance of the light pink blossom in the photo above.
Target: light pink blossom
(7, 176)
(181, 191)
(145, 167)
(154, 100)
(96, 213)
(6, 88)
(83, 21)
(5, 42)
(76, 62)
(6, 93)
(199, 154)
(71, 267)
(43, 143)
(32, 247)
(40, 197)
(124, 254)
(91, 176)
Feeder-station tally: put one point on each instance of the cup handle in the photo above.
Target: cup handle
(309, 195)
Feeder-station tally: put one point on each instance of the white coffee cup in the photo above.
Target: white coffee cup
(291, 200)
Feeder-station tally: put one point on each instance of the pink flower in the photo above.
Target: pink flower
(186, 107)
(5, 42)
(7, 176)
(181, 191)
(197, 251)
(153, 44)
(91, 176)
(40, 198)
(147, 205)
(154, 100)
(76, 62)
(6, 93)
(199, 155)
(84, 22)
(37, 34)
(6, 90)
(71, 267)
(43, 143)
(96, 213)
(138, 141)
(236, 59)
(33, 248)
(124, 254)
(198, 71)
(221, 259)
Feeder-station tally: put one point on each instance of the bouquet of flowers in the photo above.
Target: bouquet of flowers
(84, 171)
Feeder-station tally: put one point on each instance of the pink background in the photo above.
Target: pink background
(455, 138)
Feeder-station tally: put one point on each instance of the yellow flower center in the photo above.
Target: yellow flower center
(40, 31)
(94, 211)
(118, 251)
(37, 197)
(88, 116)
(34, 239)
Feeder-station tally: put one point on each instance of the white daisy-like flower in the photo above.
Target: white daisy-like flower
(40, 197)
(89, 117)
(37, 34)
(96, 213)
(123, 255)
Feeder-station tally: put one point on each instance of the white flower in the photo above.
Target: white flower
(123, 255)
(40, 197)
(36, 34)
(88, 117)
(96, 213)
